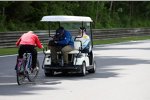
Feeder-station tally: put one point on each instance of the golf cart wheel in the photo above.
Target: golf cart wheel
(83, 69)
(49, 73)
(65, 72)
(93, 69)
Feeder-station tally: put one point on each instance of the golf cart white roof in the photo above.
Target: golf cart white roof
(65, 18)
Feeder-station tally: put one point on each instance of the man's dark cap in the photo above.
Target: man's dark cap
(60, 30)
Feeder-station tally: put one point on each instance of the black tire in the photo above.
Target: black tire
(93, 69)
(20, 78)
(82, 69)
(49, 73)
(20, 74)
(64, 72)
(32, 75)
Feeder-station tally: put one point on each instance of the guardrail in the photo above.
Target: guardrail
(9, 39)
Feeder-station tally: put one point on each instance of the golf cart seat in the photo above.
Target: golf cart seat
(77, 47)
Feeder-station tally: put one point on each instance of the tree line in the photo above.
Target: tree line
(26, 15)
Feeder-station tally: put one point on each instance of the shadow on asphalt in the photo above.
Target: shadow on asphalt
(8, 86)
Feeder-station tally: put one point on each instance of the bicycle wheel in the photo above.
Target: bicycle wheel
(33, 74)
(20, 74)
(20, 78)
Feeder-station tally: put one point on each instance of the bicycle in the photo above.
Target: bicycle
(24, 70)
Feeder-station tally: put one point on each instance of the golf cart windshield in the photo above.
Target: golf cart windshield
(73, 27)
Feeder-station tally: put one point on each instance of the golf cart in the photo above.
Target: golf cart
(79, 62)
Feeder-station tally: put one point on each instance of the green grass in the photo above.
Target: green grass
(118, 40)
(8, 51)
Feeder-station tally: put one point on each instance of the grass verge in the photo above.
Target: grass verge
(118, 40)
(10, 51)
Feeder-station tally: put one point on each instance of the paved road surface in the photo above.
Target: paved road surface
(123, 73)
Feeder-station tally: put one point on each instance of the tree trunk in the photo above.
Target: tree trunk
(3, 11)
(111, 4)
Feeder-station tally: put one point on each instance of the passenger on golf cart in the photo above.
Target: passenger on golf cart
(62, 42)
(85, 40)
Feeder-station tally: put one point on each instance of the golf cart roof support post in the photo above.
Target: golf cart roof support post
(91, 34)
(82, 23)
(49, 28)
(59, 24)
(82, 30)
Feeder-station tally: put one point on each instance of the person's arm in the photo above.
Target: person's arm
(18, 41)
(38, 43)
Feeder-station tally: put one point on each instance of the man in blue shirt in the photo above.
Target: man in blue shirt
(63, 42)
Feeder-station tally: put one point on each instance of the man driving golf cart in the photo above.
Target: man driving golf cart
(62, 42)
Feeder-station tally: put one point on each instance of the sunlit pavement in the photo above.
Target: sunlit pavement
(123, 73)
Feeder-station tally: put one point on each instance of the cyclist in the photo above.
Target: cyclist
(27, 43)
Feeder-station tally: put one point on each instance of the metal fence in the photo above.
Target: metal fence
(8, 39)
